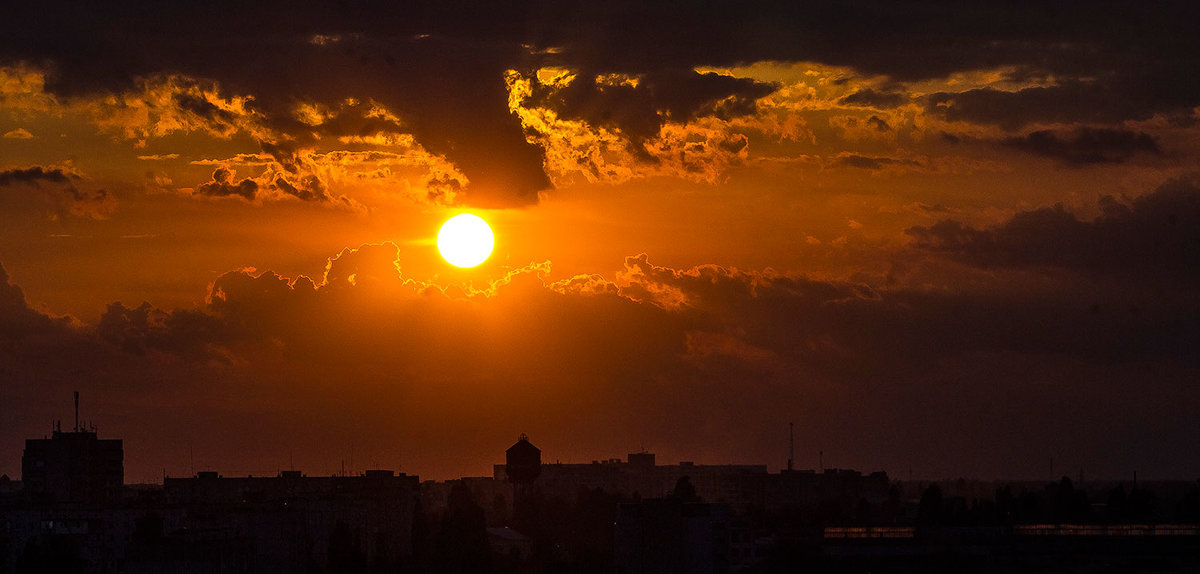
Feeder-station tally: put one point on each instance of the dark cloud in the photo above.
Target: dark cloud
(365, 307)
(35, 175)
(872, 163)
(1086, 145)
(365, 349)
(308, 188)
(352, 117)
(368, 265)
(17, 320)
(218, 119)
(875, 99)
(58, 188)
(640, 110)
(879, 124)
(449, 89)
(223, 185)
(439, 187)
(441, 68)
(138, 329)
(1153, 235)
(848, 331)
(1072, 102)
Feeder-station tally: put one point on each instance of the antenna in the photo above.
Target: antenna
(76, 411)
(821, 459)
(791, 445)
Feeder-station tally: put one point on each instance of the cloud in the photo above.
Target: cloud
(1111, 100)
(36, 175)
(868, 97)
(368, 265)
(594, 284)
(1153, 235)
(1086, 146)
(272, 184)
(22, 90)
(18, 134)
(57, 188)
(307, 188)
(364, 308)
(843, 331)
(21, 323)
(697, 142)
(158, 105)
(439, 74)
(872, 163)
(639, 109)
(223, 185)
(133, 329)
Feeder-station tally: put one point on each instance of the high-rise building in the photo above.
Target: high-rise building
(74, 467)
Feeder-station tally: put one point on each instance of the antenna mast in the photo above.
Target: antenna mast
(76, 411)
(791, 445)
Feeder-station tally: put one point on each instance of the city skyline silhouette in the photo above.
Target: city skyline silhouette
(935, 241)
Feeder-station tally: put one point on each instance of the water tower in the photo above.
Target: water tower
(522, 461)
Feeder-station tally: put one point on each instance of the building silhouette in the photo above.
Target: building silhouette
(71, 513)
(523, 461)
(639, 475)
(73, 467)
(68, 514)
(288, 523)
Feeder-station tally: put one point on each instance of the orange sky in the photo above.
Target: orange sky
(959, 242)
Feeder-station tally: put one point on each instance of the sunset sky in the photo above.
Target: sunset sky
(946, 240)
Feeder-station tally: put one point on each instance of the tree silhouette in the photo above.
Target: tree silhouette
(929, 510)
(685, 490)
(462, 543)
(1189, 506)
(1005, 505)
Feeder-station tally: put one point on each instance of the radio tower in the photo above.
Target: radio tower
(791, 445)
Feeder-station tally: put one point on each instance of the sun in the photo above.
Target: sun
(465, 240)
